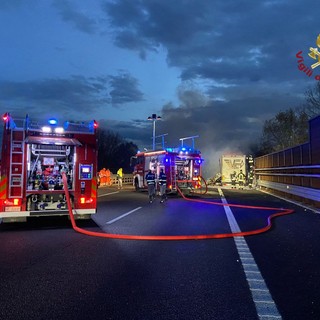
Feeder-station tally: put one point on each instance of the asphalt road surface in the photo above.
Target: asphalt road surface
(49, 271)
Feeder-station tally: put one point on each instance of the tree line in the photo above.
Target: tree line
(114, 152)
(290, 127)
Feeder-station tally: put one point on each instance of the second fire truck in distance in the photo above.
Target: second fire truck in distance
(181, 165)
(34, 156)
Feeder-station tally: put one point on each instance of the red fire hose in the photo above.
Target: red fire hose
(177, 237)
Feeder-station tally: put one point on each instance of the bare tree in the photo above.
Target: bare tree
(290, 128)
(287, 129)
(114, 152)
(312, 105)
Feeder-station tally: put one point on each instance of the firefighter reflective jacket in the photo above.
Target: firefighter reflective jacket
(119, 173)
(162, 178)
(241, 176)
(151, 178)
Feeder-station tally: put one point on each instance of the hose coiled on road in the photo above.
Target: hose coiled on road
(177, 237)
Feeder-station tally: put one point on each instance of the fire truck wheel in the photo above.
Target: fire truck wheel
(136, 185)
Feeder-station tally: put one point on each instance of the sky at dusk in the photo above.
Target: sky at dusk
(213, 69)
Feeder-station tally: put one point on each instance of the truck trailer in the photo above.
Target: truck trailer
(232, 164)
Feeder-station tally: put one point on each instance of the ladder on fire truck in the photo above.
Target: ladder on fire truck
(17, 150)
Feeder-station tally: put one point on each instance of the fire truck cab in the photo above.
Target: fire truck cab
(181, 165)
(34, 156)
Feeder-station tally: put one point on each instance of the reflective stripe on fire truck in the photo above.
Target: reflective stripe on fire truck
(3, 187)
(94, 188)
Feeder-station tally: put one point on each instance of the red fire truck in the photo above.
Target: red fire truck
(34, 155)
(181, 165)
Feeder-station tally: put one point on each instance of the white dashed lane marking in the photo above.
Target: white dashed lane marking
(123, 215)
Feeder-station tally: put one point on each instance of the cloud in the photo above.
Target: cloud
(12, 4)
(222, 127)
(80, 20)
(136, 131)
(235, 61)
(241, 53)
(76, 93)
(221, 40)
(219, 127)
(67, 95)
(124, 89)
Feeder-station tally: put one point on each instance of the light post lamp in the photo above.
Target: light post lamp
(154, 118)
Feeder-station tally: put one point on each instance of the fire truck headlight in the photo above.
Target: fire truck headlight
(46, 129)
(59, 130)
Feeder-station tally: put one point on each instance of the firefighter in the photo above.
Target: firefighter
(102, 175)
(120, 176)
(241, 179)
(151, 181)
(233, 177)
(162, 185)
(251, 176)
(108, 177)
(251, 172)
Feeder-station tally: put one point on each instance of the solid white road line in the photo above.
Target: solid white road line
(123, 215)
(265, 306)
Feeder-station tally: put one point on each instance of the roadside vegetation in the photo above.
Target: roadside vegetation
(290, 127)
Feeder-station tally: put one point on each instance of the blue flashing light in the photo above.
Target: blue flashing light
(52, 121)
(166, 160)
(93, 125)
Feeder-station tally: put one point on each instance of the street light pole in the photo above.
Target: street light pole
(154, 118)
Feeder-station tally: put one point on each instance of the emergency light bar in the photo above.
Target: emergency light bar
(52, 121)
(5, 117)
(198, 161)
(50, 125)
